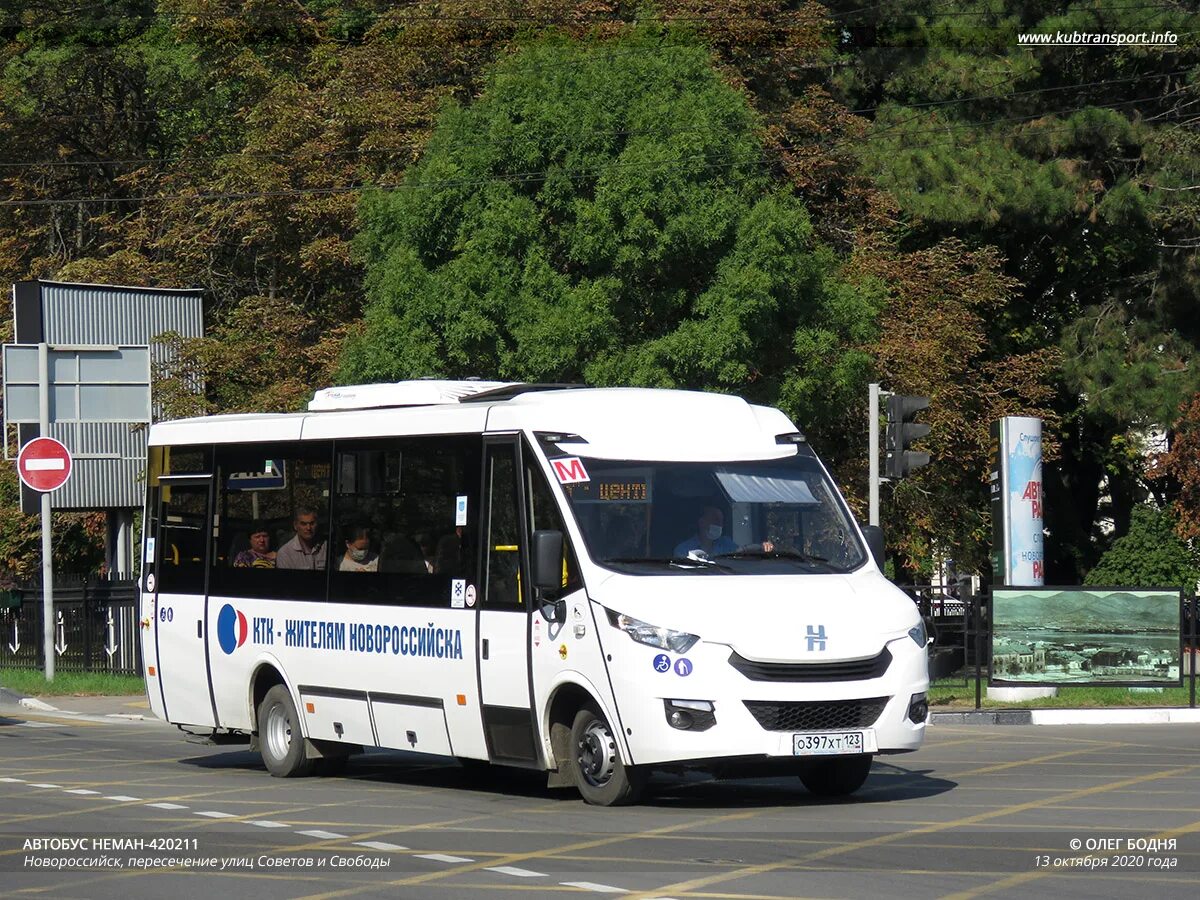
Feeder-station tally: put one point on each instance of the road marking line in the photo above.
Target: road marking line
(513, 870)
(543, 854)
(167, 805)
(378, 845)
(213, 814)
(81, 791)
(123, 798)
(266, 823)
(44, 785)
(694, 884)
(324, 835)
(592, 886)
(13, 780)
(443, 857)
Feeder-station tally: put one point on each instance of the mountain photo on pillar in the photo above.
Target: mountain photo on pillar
(1078, 636)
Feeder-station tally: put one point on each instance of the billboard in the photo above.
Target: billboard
(1078, 636)
(1016, 489)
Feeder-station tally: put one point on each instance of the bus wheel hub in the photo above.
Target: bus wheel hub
(597, 754)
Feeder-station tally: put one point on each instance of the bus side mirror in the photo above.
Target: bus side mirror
(874, 536)
(547, 560)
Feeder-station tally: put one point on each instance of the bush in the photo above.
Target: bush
(1150, 555)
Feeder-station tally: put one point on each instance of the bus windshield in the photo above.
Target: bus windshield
(756, 517)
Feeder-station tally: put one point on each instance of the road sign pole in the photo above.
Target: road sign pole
(873, 454)
(47, 539)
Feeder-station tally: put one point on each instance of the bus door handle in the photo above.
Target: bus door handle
(200, 629)
(483, 651)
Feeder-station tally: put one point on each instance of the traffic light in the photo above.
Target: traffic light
(901, 432)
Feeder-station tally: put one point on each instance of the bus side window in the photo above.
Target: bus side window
(183, 538)
(544, 515)
(398, 499)
(503, 531)
(262, 490)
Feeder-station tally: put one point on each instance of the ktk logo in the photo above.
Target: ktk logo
(816, 637)
(231, 628)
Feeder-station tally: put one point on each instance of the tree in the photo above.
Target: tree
(1178, 470)
(934, 342)
(1149, 555)
(1078, 165)
(603, 214)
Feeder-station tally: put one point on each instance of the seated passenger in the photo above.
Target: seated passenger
(259, 555)
(306, 550)
(358, 556)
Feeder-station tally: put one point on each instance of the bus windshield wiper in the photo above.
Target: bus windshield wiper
(687, 562)
(759, 553)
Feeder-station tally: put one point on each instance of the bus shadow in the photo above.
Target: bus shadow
(697, 791)
(688, 790)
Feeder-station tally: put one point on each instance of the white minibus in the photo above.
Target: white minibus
(596, 583)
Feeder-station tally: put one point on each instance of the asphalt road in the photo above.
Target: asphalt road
(979, 811)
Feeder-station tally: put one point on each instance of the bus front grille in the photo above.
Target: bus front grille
(846, 670)
(817, 715)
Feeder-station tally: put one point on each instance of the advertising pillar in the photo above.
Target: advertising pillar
(1018, 557)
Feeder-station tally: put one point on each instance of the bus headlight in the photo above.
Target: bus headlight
(652, 635)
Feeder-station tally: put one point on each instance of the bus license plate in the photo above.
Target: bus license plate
(827, 743)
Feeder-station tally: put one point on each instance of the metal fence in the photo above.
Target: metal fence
(95, 628)
(961, 628)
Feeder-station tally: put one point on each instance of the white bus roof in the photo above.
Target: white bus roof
(615, 423)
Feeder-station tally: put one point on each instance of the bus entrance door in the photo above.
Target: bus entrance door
(504, 614)
(184, 530)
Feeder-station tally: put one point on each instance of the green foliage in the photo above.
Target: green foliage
(1149, 555)
(77, 538)
(1078, 164)
(75, 684)
(602, 214)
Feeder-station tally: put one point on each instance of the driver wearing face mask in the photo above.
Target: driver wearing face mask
(710, 537)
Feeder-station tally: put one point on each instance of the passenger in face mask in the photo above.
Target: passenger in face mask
(710, 537)
(358, 556)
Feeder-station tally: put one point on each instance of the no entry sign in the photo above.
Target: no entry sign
(44, 464)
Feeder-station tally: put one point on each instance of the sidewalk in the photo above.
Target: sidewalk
(1102, 715)
(108, 709)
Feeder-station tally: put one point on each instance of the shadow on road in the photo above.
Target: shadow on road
(688, 790)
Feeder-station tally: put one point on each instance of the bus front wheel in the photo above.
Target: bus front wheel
(837, 777)
(279, 737)
(601, 775)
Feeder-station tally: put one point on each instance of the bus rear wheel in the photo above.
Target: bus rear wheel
(838, 777)
(279, 738)
(601, 775)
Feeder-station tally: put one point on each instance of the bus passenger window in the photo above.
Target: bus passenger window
(400, 536)
(271, 535)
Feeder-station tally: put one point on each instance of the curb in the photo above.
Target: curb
(984, 717)
(1112, 716)
(37, 705)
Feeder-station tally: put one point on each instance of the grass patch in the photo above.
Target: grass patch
(78, 684)
(959, 693)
